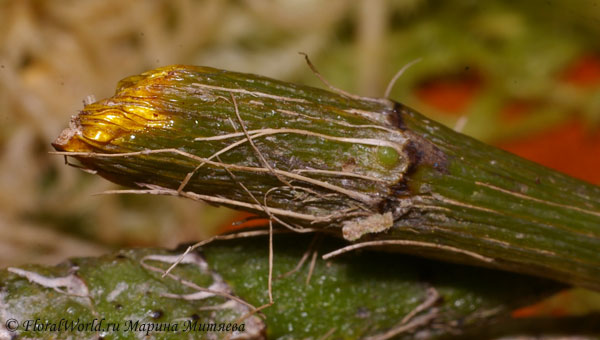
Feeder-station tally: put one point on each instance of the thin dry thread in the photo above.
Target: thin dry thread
(405, 243)
(397, 76)
(302, 259)
(260, 156)
(338, 90)
(271, 217)
(311, 268)
(193, 285)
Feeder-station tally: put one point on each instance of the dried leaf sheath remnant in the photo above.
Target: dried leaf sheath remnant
(369, 170)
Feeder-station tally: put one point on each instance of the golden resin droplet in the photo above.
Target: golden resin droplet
(96, 134)
(135, 107)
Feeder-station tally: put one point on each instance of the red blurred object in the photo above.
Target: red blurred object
(568, 148)
(515, 111)
(450, 95)
(584, 72)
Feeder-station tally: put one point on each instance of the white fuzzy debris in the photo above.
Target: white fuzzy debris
(460, 123)
(121, 286)
(90, 99)
(188, 258)
(254, 326)
(356, 228)
(73, 284)
(5, 334)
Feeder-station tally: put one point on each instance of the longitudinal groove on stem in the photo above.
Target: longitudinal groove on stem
(352, 194)
(266, 132)
(155, 190)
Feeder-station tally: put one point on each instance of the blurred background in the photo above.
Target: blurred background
(522, 75)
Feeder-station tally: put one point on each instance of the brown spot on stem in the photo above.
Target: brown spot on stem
(395, 116)
(419, 151)
(349, 165)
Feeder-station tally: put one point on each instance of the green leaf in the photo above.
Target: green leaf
(349, 297)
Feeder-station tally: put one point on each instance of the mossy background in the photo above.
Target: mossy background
(524, 75)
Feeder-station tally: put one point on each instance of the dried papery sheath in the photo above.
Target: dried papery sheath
(370, 170)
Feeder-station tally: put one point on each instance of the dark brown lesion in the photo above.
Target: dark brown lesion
(420, 153)
(419, 149)
(395, 117)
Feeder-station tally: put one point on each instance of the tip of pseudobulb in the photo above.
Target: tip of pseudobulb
(68, 140)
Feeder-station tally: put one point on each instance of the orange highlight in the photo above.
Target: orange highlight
(239, 216)
(555, 306)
